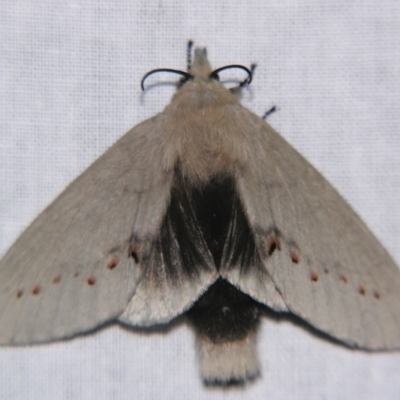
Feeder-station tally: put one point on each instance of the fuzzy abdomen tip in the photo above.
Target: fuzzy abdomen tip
(228, 362)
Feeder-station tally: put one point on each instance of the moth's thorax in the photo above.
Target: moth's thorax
(204, 130)
(202, 92)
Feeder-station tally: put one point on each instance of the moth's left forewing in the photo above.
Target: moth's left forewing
(322, 259)
(78, 264)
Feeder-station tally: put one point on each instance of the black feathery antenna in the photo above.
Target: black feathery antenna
(215, 73)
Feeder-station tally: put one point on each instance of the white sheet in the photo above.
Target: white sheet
(70, 73)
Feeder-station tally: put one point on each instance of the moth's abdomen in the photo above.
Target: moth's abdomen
(225, 321)
(224, 313)
(224, 318)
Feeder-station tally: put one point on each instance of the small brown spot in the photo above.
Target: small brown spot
(91, 280)
(57, 279)
(314, 276)
(326, 270)
(76, 274)
(343, 278)
(377, 295)
(36, 290)
(294, 257)
(361, 290)
(20, 293)
(133, 252)
(113, 263)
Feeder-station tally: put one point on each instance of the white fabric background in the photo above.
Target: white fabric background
(69, 76)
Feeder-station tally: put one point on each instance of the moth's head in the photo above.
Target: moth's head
(199, 69)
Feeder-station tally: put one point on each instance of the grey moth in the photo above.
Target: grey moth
(201, 210)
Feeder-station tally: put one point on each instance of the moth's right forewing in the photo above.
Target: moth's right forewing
(328, 267)
(77, 265)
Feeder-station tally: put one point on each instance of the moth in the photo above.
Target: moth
(202, 210)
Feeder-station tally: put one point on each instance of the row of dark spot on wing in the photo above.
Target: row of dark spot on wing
(90, 280)
(274, 243)
(179, 247)
(208, 219)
